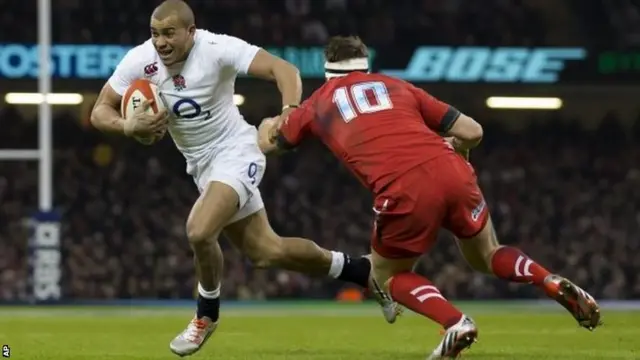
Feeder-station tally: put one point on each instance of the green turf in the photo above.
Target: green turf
(308, 332)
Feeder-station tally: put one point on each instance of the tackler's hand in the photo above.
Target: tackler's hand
(455, 144)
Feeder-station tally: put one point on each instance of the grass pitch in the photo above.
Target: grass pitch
(314, 332)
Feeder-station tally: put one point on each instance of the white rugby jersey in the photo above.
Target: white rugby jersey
(198, 92)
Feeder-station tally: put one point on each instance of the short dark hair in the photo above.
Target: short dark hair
(175, 7)
(341, 48)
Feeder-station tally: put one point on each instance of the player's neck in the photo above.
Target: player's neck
(188, 50)
(176, 66)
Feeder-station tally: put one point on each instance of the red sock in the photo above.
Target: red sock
(512, 264)
(420, 295)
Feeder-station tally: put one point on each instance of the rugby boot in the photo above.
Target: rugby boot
(578, 302)
(390, 309)
(456, 339)
(193, 337)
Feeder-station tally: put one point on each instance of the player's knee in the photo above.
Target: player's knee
(199, 233)
(266, 253)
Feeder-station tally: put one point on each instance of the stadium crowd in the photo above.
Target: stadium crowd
(293, 22)
(568, 197)
(378, 22)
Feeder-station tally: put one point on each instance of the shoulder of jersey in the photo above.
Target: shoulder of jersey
(213, 39)
(143, 58)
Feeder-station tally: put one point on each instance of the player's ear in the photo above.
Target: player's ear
(191, 29)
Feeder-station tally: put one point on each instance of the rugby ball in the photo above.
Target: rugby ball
(137, 92)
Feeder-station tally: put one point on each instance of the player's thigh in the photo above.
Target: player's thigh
(217, 204)
(240, 166)
(254, 237)
(468, 216)
(478, 249)
(407, 218)
(229, 186)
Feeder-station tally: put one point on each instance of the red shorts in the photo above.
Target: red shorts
(410, 211)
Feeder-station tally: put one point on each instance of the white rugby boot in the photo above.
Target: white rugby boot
(196, 334)
(390, 309)
(456, 338)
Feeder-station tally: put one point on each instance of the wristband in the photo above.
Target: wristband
(290, 106)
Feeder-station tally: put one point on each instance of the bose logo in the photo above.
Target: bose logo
(476, 64)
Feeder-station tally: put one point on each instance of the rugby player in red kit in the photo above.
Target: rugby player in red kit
(390, 135)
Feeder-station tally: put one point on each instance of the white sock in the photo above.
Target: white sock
(213, 294)
(337, 263)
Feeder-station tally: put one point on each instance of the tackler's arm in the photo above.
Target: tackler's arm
(464, 134)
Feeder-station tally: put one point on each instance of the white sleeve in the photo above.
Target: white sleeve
(238, 53)
(126, 72)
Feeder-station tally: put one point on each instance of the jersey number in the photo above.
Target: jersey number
(359, 94)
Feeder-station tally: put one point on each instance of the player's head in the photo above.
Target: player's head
(345, 54)
(172, 30)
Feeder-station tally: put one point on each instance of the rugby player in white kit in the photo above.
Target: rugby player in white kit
(195, 71)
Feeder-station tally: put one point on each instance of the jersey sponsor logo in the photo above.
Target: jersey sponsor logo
(151, 69)
(482, 64)
(189, 109)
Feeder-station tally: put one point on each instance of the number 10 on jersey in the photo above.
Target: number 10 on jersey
(361, 95)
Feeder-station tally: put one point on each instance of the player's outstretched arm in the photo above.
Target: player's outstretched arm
(285, 74)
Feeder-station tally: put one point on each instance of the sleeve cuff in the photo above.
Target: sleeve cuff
(449, 118)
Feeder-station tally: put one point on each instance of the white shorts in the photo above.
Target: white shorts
(240, 166)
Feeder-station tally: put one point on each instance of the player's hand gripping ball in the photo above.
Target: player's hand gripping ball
(144, 111)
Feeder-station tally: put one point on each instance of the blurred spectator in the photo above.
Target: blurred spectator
(568, 197)
(624, 17)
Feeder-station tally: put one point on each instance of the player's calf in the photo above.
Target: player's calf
(256, 239)
(484, 254)
(414, 291)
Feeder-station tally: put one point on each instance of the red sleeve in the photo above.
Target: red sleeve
(439, 116)
(297, 126)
